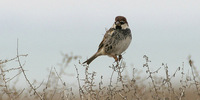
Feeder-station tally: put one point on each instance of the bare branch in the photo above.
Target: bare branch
(19, 62)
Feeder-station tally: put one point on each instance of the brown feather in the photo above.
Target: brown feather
(108, 33)
(91, 59)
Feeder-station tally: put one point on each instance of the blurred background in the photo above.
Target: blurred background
(166, 31)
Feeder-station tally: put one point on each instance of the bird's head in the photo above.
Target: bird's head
(120, 23)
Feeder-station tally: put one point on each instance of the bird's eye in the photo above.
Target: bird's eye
(122, 22)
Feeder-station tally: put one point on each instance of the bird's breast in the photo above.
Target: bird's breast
(118, 42)
(122, 45)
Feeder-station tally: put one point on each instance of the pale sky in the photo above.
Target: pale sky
(165, 30)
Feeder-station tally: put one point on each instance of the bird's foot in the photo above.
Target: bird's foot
(115, 57)
(120, 57)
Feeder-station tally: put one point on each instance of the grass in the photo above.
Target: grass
(122, 86)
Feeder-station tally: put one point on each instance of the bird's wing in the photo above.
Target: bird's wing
(106, 37)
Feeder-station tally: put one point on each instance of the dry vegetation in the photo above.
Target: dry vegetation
(153, 87)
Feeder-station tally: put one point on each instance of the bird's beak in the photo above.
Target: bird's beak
(117, 23)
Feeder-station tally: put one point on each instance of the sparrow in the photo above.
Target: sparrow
(115, 41)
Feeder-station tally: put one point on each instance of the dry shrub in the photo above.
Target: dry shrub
(125, 86)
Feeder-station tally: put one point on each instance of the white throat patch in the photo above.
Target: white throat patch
(124, 26)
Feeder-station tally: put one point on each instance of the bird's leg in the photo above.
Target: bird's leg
(116, 60)
(120, 57)
(115, 57)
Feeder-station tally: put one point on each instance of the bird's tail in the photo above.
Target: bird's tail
(91, 59)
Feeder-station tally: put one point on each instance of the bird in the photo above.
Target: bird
(115, 41)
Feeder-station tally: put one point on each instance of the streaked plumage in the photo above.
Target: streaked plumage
(116, 40)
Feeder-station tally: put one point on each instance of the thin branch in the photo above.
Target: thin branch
(14, 76)
(63, 83)
(44, 90)
(19, 93)
(5, 84)
(80, 89)
(5, 61)
(193, 75)
(19, 62)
